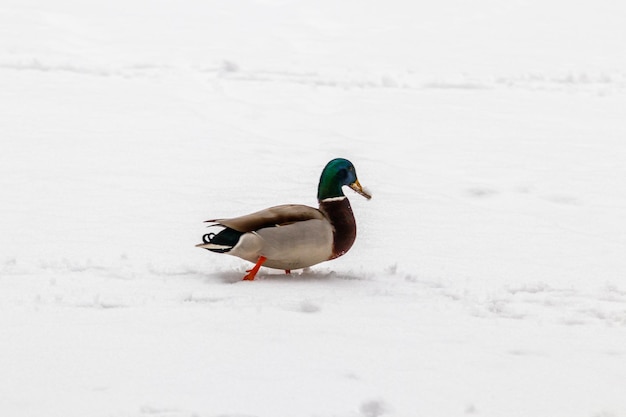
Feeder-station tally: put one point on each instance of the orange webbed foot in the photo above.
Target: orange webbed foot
(251, 273)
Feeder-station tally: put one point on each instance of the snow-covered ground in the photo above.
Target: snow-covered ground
(489, 273)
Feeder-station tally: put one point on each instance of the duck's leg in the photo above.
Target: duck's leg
(287, 271)
(251, 273)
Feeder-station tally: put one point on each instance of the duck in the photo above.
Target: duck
(293, 236)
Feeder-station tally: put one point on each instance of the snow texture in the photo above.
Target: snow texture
(488, 277)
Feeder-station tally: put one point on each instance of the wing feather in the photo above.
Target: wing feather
(273, 216)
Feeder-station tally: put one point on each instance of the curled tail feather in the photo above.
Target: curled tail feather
(220, 242)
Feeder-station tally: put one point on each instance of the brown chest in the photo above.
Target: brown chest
(340, 214)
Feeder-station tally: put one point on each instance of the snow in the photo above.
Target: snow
(488, 275)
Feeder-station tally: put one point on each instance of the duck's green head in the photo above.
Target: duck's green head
(336, 174)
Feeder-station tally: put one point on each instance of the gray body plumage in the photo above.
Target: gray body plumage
(290, 237)
(291, 246)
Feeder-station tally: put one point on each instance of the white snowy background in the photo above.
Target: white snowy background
(489, 273)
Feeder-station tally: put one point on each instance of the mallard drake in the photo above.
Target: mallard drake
(294, 236)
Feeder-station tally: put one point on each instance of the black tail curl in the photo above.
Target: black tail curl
(208, 237)
(227, 238)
